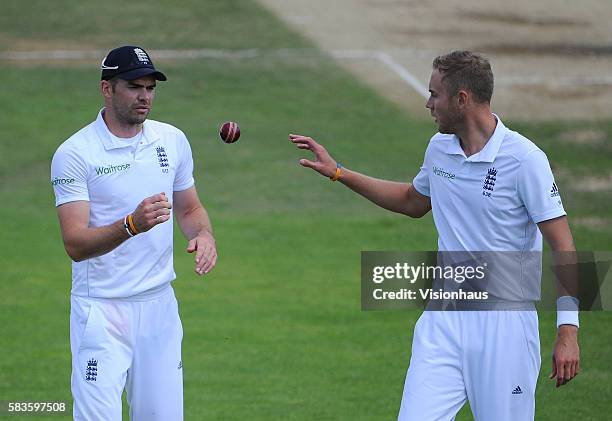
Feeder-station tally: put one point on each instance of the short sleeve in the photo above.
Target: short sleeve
(421, 181)
(537, 188)
(184, 170)
(68, 176)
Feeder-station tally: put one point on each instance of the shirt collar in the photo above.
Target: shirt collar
(490, 150)
(113, 142)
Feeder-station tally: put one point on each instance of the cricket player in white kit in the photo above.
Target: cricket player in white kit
(490, 189)
(117, 183)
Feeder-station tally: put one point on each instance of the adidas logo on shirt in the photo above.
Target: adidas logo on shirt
(517, 391)
(554, 192)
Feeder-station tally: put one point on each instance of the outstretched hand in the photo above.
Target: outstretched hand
(323, 163)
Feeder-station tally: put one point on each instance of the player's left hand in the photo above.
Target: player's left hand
(566, 355)
(205, 252)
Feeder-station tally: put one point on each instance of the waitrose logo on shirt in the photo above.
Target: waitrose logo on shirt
(59, 180)
(442, 173)
(111, 169)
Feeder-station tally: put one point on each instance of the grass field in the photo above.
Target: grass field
(276, 331)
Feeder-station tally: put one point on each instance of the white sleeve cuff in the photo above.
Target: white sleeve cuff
(567, 311)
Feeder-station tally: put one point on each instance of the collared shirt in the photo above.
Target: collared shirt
(492, 200)
(114, 176)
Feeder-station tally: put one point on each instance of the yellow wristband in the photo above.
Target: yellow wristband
(337, 174)
(126, 226)
(131, 224)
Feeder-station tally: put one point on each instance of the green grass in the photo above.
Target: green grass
(276, 331)
(162, 24)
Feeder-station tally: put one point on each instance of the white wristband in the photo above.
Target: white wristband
(127, 227)
(567, 311)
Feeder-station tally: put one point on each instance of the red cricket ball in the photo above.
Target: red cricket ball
(229, 132)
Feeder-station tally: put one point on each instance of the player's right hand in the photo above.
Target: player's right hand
(324, 164)
(151, 211)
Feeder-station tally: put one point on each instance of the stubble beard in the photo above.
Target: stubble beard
(452, 122)
(447, 128)
(128, 116)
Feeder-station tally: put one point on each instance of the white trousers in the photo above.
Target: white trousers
(491, 358)
(135, 345)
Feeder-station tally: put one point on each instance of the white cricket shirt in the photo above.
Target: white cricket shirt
(491, 202)
(114, 176)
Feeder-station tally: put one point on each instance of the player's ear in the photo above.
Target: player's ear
(106, 88)
(463, 98)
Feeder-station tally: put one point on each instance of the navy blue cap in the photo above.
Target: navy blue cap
(129, 63)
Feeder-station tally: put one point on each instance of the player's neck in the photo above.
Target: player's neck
(118, 128)
(476, 132)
